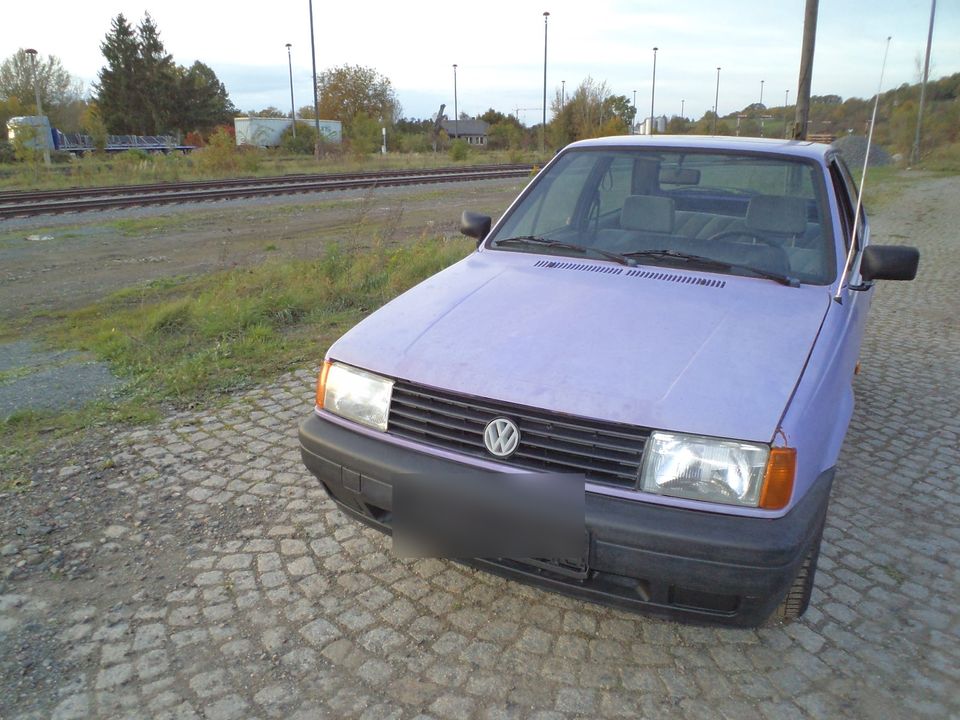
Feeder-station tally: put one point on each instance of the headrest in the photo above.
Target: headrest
(777, 214)
(649, 213)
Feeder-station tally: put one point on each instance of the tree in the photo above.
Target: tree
(203, 102)
(350, 91)
(589, 112)
(619, 107)
(142, 91)
(156, 89)
(116, 89)
(58, 89)
(272, 112)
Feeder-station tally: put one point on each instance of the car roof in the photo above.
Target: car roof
(773, 146)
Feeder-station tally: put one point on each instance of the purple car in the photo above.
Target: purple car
(636, 389)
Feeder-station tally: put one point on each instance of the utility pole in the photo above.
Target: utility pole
(716, 104)
(36, 91)
(543, 126)
(802, 116)
(456, 110)
(653, 88)
(293, 111)
(316, 100)
(915, 153)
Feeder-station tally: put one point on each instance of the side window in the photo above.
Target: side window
(551, 206)
(846, 191)
(842, 185)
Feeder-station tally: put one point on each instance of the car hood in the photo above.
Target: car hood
(651, 346)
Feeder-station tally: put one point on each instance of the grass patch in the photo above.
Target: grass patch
(180, 342)
(8, 376)
(185, 340)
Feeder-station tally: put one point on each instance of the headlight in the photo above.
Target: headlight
(702, 468)
(354, 394)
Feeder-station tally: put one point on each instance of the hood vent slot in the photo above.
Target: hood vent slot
(585, 267)
(671, 277)
(633, 272)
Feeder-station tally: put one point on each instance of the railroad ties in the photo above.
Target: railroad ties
(49, 202)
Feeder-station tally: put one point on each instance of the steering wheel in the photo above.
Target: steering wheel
(724, 234)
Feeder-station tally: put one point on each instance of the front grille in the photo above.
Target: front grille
(604, 452)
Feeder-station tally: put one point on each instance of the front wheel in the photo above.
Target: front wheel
(797, 600)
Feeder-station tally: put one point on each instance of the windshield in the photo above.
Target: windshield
(748, 210)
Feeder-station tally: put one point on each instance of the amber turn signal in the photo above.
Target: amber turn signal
(778, 480)
(322, 384)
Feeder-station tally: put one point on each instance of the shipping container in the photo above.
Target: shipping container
(267, 132)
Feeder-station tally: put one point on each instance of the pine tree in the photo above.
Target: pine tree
(143, 92)
(156, 81)
(117, 84)
(203, 102)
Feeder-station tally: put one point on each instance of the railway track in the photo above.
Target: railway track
(51, 202)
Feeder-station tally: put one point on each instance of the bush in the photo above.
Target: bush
(302, 144)
(459, 150)
(220, 153)
(7, 154)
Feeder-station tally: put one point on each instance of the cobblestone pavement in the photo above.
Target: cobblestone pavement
(213, 579)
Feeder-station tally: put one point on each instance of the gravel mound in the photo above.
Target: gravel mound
(853, 148)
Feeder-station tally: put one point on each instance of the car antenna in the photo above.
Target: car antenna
(863, 178)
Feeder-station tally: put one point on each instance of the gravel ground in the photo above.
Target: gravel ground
(36, 379)
(194, 569)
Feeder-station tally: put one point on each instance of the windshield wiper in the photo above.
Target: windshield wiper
(713, 262)
(560, 245)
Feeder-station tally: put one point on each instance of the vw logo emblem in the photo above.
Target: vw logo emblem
(501, 436)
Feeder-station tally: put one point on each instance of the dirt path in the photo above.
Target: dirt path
(61, 262)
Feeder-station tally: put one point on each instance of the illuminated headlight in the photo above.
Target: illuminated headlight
(355, 394)
(702, 468)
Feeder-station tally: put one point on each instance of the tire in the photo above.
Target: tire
(797, 601)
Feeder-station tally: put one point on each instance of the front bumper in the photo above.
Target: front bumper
(674, 562)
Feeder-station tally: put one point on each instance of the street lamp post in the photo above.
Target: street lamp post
(761, 92)
(316, 101)
(563, 94)
(786, 102)
(543, 126)
(293, 113)
(36, 91)
(653, 88)
(456, 112)
(682, 103)
(716, 103)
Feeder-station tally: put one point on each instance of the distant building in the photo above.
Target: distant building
(474, 132)
(643, 127)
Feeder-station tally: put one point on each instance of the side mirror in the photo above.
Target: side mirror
(475, 225)
(889, 262)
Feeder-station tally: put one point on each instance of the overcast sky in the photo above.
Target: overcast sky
(498, 47)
